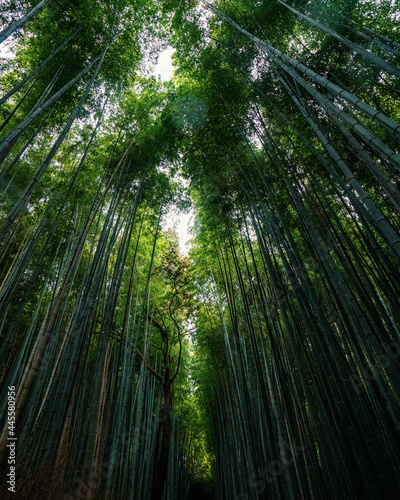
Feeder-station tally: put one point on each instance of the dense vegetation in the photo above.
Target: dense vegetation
(266, 363)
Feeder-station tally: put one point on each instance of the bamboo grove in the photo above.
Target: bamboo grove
(266, 363)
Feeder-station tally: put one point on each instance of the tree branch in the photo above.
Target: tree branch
(149, 367)
(179, 358)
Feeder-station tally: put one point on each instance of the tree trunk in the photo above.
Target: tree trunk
(165, 431)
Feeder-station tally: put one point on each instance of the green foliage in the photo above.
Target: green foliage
(258, 349)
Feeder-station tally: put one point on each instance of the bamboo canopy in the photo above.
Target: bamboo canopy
(264, 361)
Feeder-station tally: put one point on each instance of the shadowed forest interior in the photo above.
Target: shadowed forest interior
(261, 361)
